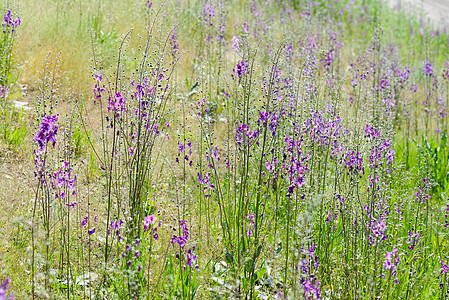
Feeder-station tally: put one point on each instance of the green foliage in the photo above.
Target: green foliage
(435, 152)
(79, 135)
(14, 131)
(281, 184)
(79, 141)
(181, 282)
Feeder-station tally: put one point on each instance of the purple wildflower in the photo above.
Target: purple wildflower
(182, 241)
(391, 262)
(148, 222)
(235, 43)
(116, 226)
(4, 290)
(444, 268)
(116, 104)
(241, 70)
(413, 240)
(428, 68)
(47, 132)
(9, 24)
(190, 256)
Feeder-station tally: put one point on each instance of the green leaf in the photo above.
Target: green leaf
(229, 257)
(194, 86)
(259, 249)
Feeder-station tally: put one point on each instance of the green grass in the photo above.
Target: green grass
(77, 39)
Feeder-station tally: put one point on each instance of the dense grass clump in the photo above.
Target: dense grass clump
(223, 150)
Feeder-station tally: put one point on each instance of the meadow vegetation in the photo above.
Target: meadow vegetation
(207, 149)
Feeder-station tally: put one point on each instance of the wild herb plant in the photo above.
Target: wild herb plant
(264, 150)
(10, 25)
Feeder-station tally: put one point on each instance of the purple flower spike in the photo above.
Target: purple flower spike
(241, 70)
(4, 289)
(84, 221)
(444, 268)
(9, 24)
(149, 222)
(48, 130)
(428, 69)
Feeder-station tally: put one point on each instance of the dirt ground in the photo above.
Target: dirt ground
(435, 11)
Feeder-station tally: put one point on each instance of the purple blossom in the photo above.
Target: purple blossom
(84, 221)
(208, 187)
(244, 135)
(371, 132)
(190, 257)
(289, 51)
(245, 27)
(174, 44)
(241, 70)
(116, 226)
(182, 149)
(327, 61)
(3, 91)
(403, 76)
(378, 229)
(392, 260)
(422, 194)
(428, 69)
(252, 226)
(446, 70)
(4, 290)
(181, 240)
(311, 287)
(148, 222)
(98, 77)
(9, 24)
(62, 181)
(294, 163)
(235, 43)
(98, 90)
(413, 240)
(209, 15)
(116, 104)
(270, 167)
(321, 130)
(353, 163)
(47, 132)
(310, 283)
(444, 268)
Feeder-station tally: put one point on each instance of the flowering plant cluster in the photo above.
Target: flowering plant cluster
(182, 240)
(10, 24)
(300, 167)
